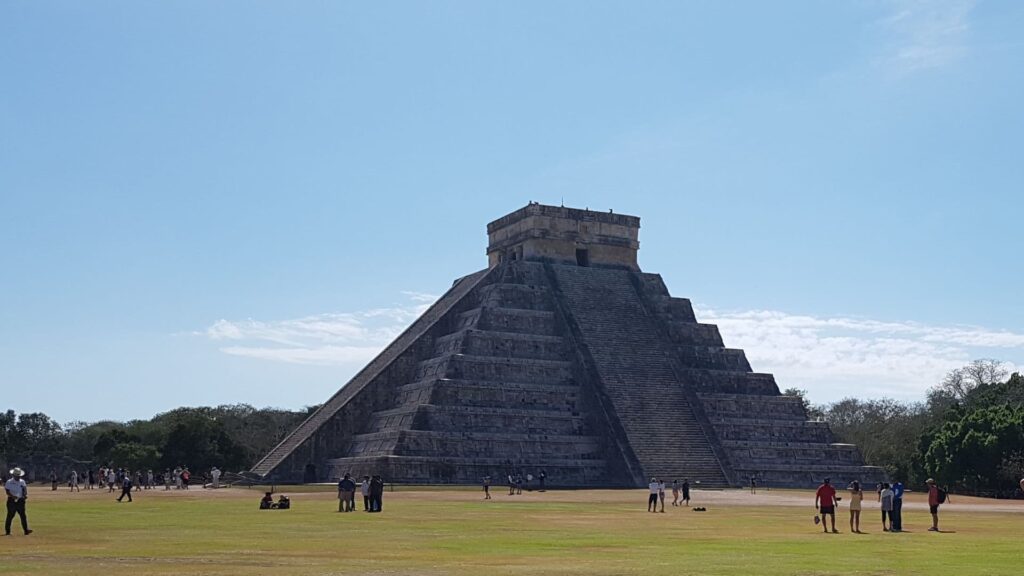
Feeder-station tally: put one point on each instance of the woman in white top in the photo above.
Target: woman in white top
(885, 497)
(856, 496)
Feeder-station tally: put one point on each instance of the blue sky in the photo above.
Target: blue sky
(218, 202)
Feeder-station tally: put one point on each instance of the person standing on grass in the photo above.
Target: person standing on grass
(856, 497)
(215, 475)
(346, 492)
(487, 487)
(686, 491)
(652, 496)
(74, 481)
(753, 485)
(111, 478)
(17, 496)
(126, 487)
(661, 494)
(53, 479)
(186, 477)
(364, 488)
(376, 493)
(675, 492)
(885, 498)
(936, 497)
(896, 516)
(177, 478)
(825, 502)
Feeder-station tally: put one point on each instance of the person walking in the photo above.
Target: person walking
(487, 487)
(511, 485)
(686, 491)
(675, 492)
(17, 496)
(126, 487)
(936, 497)
(753, 485)
(74, 481)
(661, 494)
(856, 497)
(346, 494)
(652, 497)
(825, 502)
(896, 516)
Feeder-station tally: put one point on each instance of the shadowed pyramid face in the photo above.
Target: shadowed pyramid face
(576, 364)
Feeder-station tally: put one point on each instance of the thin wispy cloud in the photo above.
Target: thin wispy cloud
(926, 34)
(837, 357)
(329, 339)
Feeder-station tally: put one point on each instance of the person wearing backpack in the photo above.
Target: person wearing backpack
(936, 497)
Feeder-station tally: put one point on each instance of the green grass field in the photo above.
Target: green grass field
(456, 532)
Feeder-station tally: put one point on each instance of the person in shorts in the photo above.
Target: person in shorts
(936, 497)
(825, 503)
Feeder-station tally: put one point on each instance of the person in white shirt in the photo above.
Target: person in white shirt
(215, 473)
(17, 495)
(652, 498)
(661, 494)
(74, 481)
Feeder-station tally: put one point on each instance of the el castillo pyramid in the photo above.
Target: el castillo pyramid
(563, 356)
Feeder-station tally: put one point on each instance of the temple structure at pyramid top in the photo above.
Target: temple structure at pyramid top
(564, 236)
(562, 357)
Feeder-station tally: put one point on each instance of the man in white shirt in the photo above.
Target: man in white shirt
(215, 473)
(652, 499)
(17, 494)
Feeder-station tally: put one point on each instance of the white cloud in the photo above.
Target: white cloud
(837, 357)
(927, 34)
(330, 339)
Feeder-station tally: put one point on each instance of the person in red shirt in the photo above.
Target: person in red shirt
(825, 502)
(934, 501)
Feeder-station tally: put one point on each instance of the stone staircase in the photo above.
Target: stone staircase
(763, 433)
(497, 395)
(636, 372)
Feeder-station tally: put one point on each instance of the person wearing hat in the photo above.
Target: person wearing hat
(936, 497)
(17, 494)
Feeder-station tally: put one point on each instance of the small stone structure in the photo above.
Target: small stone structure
(563, 356)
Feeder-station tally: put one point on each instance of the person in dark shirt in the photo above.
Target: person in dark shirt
(376, 494)
(126, 487)
(346, 494)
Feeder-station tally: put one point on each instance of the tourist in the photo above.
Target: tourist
(686, 491)
(825, 502)
(856, 497)
(126, 487)
(487, 487)
(346, 494)
(511, 484)
(53, 479)
(167, 479)
(267, 502)
(675, 492)
(652, 497)
(885, 498)
(544, 475)
(753, 485)
(364, 488)
(661, 494)
(91, 475)
(896, 516)
(376, 494)
(519, 484)
(111, 479)
(529, 478)
(936, 497)
(186, 477)
(138, 480)
(283, 503)
(215, 474)
(74, 481)
(177, 477)
(17, 496)
(149, 479)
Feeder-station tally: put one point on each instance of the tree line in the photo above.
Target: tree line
(231, 437)
(967, 434)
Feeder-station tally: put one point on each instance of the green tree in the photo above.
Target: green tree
(971, 451)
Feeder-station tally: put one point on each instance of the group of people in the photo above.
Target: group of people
(656, 495)
(371, 488)
(267, 502)
(517, 481)
(889, 497)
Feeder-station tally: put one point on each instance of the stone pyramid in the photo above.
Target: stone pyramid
(563, 356)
